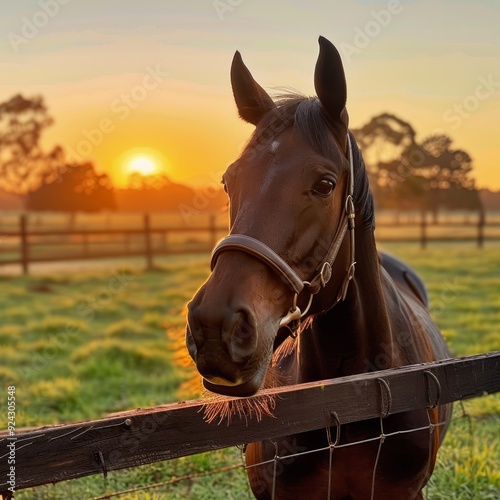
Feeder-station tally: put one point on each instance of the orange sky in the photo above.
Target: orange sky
(154, 75)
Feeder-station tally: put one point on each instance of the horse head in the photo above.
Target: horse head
(290, 207)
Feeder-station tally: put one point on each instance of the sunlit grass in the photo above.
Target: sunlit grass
(85, 345)
(55, 393)
(130, 355)
(129, 329)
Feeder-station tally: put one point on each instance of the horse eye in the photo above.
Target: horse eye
(324, 187)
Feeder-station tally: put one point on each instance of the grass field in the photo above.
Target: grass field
(80, 346)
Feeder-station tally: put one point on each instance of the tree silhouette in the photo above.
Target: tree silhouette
(406, 174)
(23, 164)
(78, 187)
(140, 181)
(390, 149)
(445, 167)
(446, 172)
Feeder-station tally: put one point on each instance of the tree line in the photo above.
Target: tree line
(405, 174)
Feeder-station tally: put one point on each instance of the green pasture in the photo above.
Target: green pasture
(86, 344)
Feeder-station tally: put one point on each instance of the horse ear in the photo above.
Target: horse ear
(329, 81)
(252, 101)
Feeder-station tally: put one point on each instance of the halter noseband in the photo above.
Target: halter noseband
(262, 252)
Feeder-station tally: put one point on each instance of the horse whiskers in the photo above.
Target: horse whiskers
(284, 350)
(223, 408)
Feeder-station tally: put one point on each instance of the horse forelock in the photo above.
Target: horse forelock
(305, 115)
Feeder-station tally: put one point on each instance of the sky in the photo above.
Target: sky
(150, 78)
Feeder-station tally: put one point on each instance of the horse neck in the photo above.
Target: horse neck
(351, 337)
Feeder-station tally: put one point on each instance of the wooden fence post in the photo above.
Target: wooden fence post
(423, 231)
(480, 230)
(147, 243)
(24, 244)
(85, 244)
(212, 228)
(126, 241)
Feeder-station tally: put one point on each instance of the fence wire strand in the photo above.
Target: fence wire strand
(186, 477)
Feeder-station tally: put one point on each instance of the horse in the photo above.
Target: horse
(299, 293)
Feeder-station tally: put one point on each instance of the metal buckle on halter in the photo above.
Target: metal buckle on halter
(325, 274)
(351, 211)
(351, 270)
(294, 314)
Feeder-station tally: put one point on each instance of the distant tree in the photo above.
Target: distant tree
(446, 173)
(153, 181)
(159, 193)
(445, 167)
(23, 163)
(390, 150)
(406, 174)
(77, 187)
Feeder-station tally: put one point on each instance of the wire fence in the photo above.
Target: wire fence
(166, 487)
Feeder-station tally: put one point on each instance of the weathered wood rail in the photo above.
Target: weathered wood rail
(29, 245)
(57, 453)
(85, 247)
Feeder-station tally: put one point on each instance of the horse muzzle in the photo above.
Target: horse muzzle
(226, 350)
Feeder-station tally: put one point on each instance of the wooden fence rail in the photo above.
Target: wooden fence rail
(28, 245)
(477, 234)
(57, 453)
(145, 249)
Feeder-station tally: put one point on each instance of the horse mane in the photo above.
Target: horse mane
(306, 116)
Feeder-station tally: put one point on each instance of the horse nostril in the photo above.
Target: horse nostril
(190, 343)
(224, 335)
(243, 339)
(194, 333)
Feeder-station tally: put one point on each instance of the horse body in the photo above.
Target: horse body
(345, 341)
(289, 193)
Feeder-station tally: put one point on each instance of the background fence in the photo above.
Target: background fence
(57, 453)
(36, 238)
(135, 235)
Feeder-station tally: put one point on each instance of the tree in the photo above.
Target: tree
(23, 164)
(78, 187)
(140, 181)
(406, 174)
(390, 150)
(446, 172)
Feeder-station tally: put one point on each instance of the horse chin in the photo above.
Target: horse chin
(246, 389)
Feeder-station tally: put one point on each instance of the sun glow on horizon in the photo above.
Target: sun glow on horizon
(145, 162)
(144, 165)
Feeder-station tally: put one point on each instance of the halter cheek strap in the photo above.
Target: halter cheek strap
(261, 251)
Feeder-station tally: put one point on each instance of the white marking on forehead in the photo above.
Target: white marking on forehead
(274, 146)
(271, 173)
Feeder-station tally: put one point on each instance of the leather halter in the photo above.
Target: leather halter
(261, 251)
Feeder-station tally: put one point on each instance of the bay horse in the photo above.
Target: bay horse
(301, 259)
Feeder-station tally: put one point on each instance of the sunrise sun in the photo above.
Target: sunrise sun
(144, 165)
(144, 162)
